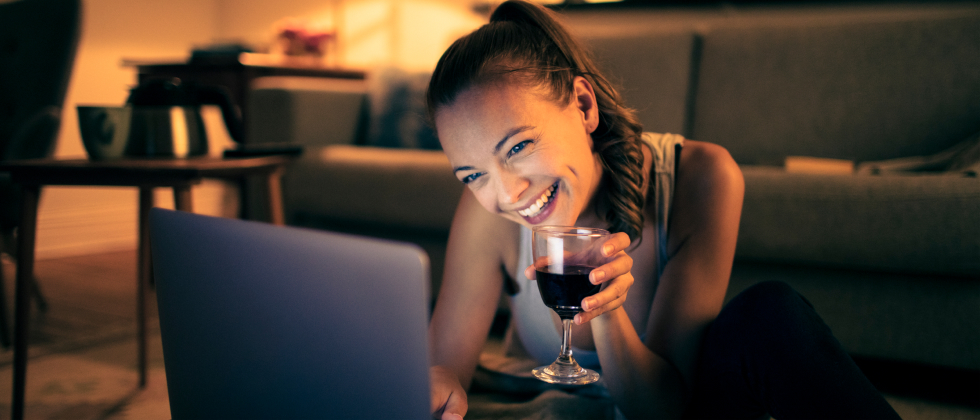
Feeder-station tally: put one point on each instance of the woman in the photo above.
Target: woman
(538, 136)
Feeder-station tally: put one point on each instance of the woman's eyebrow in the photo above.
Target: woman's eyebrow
(500, 144)
(514, 131)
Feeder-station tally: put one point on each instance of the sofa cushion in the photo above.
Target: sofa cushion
(861, 88)
(406, 188)
(914, 223)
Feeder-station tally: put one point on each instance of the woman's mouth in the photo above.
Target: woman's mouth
(541, 207)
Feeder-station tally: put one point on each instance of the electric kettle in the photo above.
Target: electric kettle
(161, 119)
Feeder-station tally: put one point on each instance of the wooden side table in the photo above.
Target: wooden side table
(237, 76)
(145, 174)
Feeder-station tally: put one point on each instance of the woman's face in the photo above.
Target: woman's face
(525, 157)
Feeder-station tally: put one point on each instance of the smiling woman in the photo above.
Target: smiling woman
(510, 72)
(539, 137)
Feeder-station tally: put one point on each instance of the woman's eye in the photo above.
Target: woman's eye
(470, 178)
(518, 147)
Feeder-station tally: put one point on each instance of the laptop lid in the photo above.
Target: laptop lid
(263, 321)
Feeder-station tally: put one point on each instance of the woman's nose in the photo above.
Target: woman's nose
(512, 187)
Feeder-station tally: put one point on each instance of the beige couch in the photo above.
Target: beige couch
(891, 261)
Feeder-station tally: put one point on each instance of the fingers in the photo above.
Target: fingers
(586, 316)
(456, 407)
(614, 275)
(540, 263)
(448, 399)
(618, 241)
(611, 296)
(621, 264)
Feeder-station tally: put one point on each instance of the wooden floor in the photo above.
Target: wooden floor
(83, 360)
(83, 352)
(90, 299)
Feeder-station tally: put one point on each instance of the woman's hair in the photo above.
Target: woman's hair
(524, 43)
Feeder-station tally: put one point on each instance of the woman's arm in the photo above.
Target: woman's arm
(467, 300)
(654, 378)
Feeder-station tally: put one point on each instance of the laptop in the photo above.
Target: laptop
(264, 321)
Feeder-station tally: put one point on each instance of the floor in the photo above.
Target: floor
(83, 353)
(83, 349)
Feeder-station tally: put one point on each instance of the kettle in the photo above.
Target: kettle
(163, 94)
(162, 118)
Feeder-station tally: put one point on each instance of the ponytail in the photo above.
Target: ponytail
(526, 43)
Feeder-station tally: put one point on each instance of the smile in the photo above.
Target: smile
(540, 203)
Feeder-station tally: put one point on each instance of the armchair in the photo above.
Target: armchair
(38, 41)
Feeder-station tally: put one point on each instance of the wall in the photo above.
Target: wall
(82, 220)
(76, 221)
(410, 34)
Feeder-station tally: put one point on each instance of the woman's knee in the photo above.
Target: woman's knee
(770, 312)
(763, 301)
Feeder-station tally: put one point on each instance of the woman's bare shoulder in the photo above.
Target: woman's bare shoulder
(704, 164)
(708, 187)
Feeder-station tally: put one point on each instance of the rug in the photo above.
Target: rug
(73, 387)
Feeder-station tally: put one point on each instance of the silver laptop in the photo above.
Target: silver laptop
(263, 321)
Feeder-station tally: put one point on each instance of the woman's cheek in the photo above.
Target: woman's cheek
(485, 199)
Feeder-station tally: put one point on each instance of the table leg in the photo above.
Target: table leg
(4, 322)
(274, 197)
(22, 299)
(183, 200)
(244, 197)
(143, 279)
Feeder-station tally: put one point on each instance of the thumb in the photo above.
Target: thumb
(456, 407)
(530, 273)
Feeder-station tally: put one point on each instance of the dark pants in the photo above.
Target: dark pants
(769, 352)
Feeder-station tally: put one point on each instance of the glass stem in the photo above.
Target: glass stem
(566, 341)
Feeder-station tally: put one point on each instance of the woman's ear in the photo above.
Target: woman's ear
(585, 102)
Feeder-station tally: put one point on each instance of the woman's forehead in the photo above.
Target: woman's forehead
(492, 107)
(483, 111)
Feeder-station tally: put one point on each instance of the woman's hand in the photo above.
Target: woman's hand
(447, 397)
(614, 276)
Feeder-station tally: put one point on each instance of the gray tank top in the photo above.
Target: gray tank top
(532, 320)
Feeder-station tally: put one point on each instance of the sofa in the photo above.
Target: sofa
(887, 250)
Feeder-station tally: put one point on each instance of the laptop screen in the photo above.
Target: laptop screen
(263, 321)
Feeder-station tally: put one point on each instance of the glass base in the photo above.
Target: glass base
(565, 374)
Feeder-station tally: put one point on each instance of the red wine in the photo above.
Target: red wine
(563, 293)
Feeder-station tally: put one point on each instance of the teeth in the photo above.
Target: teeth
(537, 205)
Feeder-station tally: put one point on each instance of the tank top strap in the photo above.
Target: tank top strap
(665, 149)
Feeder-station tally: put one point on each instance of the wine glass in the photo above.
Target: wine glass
(563, 258)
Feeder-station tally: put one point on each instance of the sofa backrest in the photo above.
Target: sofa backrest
(651, 68)
(864, 88)
(306, 111)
